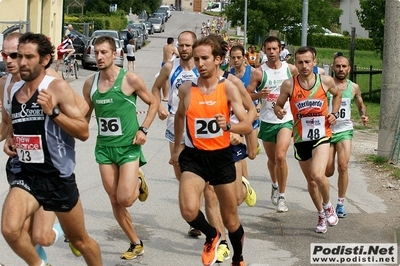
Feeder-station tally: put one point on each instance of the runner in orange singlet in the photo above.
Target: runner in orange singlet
(205, 105)
(311, 130)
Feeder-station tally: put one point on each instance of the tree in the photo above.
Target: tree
(372, 17)
(102, 6)
(282, 15)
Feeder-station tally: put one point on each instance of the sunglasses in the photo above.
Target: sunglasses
(11, 55)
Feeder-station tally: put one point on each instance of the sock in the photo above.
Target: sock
(275, 185)
(58, 231)
(321, 213)
(43, 263)
(326, 205)
(237, 239)
(340, 201)
(201, 224)
(40, 251)
(281, 195)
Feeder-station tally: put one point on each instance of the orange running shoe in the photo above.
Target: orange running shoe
(210, 253)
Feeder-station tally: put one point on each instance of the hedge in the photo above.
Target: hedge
(101, 22)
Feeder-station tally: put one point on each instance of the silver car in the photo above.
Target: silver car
(89, 59)
(158, 24)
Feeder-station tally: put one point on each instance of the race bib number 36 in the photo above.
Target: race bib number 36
(313, 128)
(29, 148)
(110, 126)
(207, 128)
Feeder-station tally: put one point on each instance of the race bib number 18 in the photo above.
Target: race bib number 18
(29, 148)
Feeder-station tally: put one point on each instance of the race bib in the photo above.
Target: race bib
(271, 100)
(110, 126)
(344, 110)
(29, 148)
(313, 128)
(207, 128)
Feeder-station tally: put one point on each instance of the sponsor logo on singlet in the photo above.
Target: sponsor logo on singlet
(309, 104)
(28, 114)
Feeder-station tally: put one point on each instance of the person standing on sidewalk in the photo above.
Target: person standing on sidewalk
(112, 93)
(265, 84)
(49, 119)
(312, 129)
(130, 56)
(342, 131)
(205, 105)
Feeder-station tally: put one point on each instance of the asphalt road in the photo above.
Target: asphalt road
(271, 238)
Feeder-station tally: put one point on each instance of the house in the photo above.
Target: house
(39, 16)
(349, 18)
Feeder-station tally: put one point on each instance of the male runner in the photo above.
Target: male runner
(170, 52)
(311, 130)
(342, 131)
(206, 105)
(112, 93)
(265, 84)
(48, 120)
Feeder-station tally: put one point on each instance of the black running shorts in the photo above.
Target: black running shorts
(53, 193)
(216, 167)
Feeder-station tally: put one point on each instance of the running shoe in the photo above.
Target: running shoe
(282, 206)
(133, 251)
(340, 211)
(223, 253)
(74, 251)
(241, 263)
(144, 189)
(251, 197)
(209, 256)
(321, 225)
(274, 195)
(258, 147)
(194, 232)
(331, 217)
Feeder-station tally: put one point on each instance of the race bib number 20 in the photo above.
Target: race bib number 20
(29, 148)
(207, 128)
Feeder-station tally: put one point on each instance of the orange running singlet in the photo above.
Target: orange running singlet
(202, 129)
(309, 109)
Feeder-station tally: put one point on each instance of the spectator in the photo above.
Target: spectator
(285, 55)
(68, 31)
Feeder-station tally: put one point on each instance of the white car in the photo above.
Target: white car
(168, 8)
(158, 24)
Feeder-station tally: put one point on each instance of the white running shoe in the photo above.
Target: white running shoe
(274, 195)
(331, 216)
(282, 206)
(321, 225)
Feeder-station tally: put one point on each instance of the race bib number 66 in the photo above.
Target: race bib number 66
(29, 148)
(207, 128)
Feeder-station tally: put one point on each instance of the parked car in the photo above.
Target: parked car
(142, 27)
(159, 15)
(158, 24)
(89, 58)
(163, 11)
(80, 42)
(136, 36)
(167, 9)
(150, 27)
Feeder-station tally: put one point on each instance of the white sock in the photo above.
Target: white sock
(281, 195)
(275, 185)
(326, 205)
(43, 263)
(340, 201)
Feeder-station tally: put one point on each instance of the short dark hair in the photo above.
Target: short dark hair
(44, 46)
(216, 43)
(170, 40)
(237, 47)
(108, 39)
(305, 49)
(272, 39)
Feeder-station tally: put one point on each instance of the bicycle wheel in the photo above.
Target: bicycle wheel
(76, 69)
(66, 71)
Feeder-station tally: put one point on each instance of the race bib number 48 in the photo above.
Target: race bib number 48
(29, 148)
(313, 128)
(207, 128)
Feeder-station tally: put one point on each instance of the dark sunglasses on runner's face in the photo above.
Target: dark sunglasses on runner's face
(11, 55)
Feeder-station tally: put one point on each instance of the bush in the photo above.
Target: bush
(101, 22)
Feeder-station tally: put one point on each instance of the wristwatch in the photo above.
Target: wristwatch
(144, 130)
(228, 126)
(336, 114)
(56, 112)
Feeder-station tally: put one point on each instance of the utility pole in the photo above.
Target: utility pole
(388, 137)
(304, 23)
(245, 24)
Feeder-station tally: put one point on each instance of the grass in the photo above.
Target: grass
(383, 164)
(373, 113)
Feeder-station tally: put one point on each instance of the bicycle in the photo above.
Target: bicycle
(70, 68)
